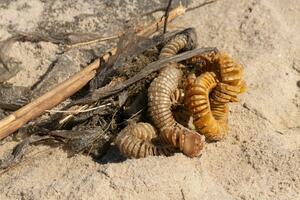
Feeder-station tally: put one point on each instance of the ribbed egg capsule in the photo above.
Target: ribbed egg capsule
(219, 110)
(174, 46)
(177, 97)
(209, 117)
(224, 93)
(231, 71)
(159, 96)
(160, 103)
(139, 140)
(186, 40)
(163, 93)
(228, 72)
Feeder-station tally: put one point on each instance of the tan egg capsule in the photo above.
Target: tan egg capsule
(219, 110)
(228, 72)
(177, 97)
(174, 46)
(205, 61)
(210, 118)
(137, 140)
(224, 93)
(159, 96)
(231, 71)
(188, 141)
(159, 100)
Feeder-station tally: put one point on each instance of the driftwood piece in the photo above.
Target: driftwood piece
(64, 90)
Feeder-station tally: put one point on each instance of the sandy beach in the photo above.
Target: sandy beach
(260, 158)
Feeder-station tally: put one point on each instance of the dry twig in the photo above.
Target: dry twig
(89, 42)
(167, 15)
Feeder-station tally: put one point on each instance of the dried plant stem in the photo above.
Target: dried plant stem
(180, 10)
(81, 109)
(66, 118)
(102, 39)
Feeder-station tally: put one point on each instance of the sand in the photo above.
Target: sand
(260, 159)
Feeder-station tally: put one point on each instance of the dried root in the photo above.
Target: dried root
(139, 140)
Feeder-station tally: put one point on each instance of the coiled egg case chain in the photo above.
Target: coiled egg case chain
(209, 118)
(159, 101)
(139, 140)
(159, 96)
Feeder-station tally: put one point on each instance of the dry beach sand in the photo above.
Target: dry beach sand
(260, 159)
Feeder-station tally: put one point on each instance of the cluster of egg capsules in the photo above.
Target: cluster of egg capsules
(205, 97)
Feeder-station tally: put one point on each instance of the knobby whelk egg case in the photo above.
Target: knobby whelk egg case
(137, 140)
(231, 71)
(225, 93)
(134, 141)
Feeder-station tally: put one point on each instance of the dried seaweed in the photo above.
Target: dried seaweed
(155, 66)
(129, 46)
(129, 74)
(19, 151)
(12, 97)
